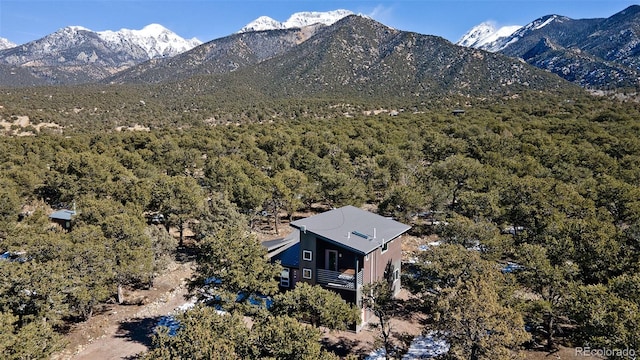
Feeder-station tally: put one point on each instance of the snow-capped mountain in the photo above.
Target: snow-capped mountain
(262, 23)
(75, 54)
(594, 53)
(155, 39)
(297, 20)
(77, 44)
(6, 44)
(487, 36)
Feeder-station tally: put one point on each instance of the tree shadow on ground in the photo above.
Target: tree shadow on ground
(70, 322)
(341, 346)
(138, 330)
(412, 309)
(186, 253)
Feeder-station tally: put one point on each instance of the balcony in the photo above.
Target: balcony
(345, 279)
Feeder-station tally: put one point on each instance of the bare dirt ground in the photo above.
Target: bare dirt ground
(406, 326)
(122, 331)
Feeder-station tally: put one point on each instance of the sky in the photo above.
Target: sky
(22, 21)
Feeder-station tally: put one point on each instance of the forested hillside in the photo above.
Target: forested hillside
(549, 182)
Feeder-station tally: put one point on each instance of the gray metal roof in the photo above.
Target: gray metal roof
(277, 245)
(272, 245)
(62, 214)
(354, 228)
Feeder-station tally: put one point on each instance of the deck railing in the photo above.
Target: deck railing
(344, 280)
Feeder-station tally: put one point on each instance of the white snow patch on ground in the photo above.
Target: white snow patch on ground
(422, 347)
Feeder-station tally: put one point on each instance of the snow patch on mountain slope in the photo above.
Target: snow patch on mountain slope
(151, 42)
(155, 39)
(486, 35)
(544, 21)
(6, 44)
(306, 18)
(297, 20)
(262, 23)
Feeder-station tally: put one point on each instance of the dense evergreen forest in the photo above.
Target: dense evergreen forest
(550, 183)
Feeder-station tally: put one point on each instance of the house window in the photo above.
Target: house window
(306, 273)
(396, 274)
(307, 255)
(284, 278)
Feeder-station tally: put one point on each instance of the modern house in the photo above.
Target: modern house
(341, 250)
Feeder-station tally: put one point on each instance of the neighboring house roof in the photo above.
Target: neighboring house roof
(272, 245)
(62, 214)
(354, 228)
(287, 249)
(290, 257)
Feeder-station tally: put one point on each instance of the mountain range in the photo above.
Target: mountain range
(601, 53)
(594, 53)
(75, 54)
(356, 58)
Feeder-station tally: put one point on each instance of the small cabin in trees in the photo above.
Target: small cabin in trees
(341, 250)
(63, 217)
